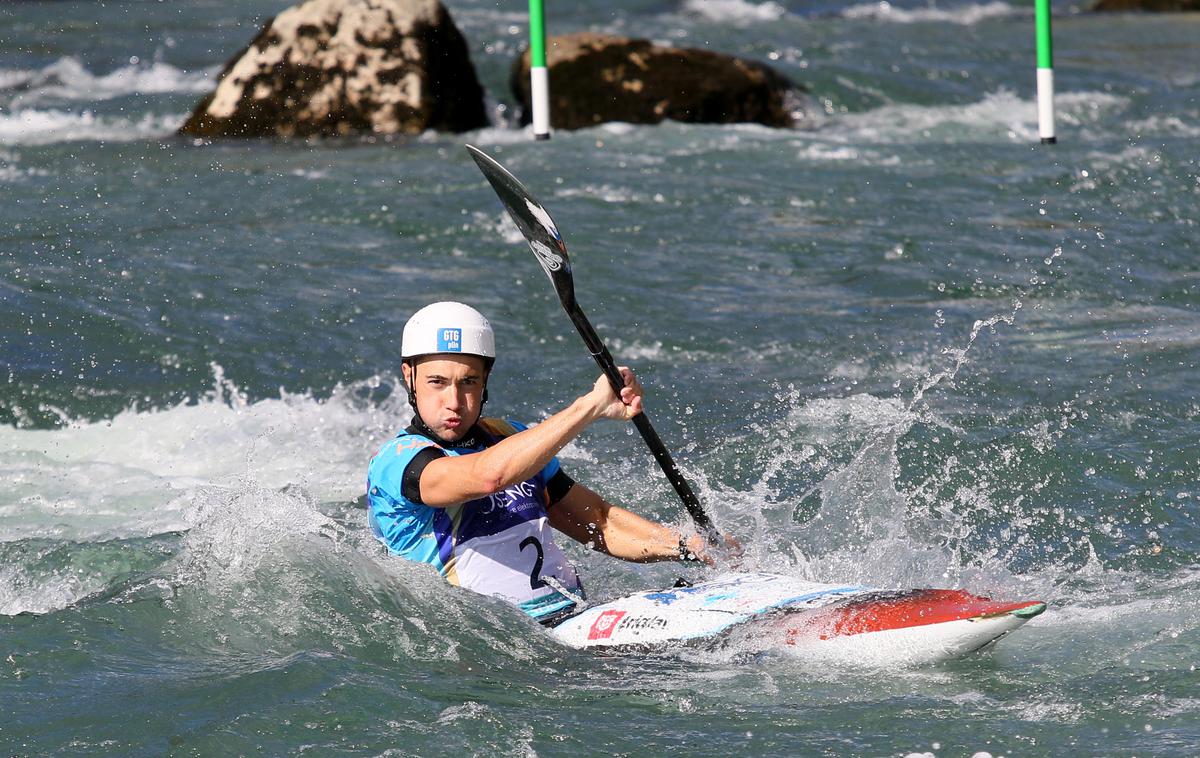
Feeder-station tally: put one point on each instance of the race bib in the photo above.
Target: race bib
(514, 563)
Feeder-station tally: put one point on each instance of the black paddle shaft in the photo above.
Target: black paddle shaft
(604, 359)
(546, 243)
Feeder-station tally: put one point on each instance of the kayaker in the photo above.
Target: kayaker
(476, 497)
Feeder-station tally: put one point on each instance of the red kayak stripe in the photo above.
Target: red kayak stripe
(901, 610)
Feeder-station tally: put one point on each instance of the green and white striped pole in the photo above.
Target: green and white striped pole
(539, 78)
(1045, 73)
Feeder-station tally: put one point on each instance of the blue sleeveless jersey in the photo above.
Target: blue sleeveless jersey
(500, 545)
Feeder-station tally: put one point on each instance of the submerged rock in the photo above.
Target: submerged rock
(1160, 6)
(340, 67)
(596, 78)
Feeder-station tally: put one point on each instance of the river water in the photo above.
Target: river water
(902, 345)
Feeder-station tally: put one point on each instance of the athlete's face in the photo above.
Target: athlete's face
(449, 390)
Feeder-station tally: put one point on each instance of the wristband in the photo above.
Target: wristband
(684, 553)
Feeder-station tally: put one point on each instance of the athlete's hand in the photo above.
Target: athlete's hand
(609, 405)
(729, 551)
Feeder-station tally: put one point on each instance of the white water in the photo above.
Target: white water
(132, 475)
(1000, 114)
(44, 127)
(57, 103)
(743, 13)
(68, 80)
(737, 12)
(965, 15)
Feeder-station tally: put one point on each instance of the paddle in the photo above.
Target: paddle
(547, 244)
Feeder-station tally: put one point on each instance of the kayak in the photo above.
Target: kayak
(771, 612)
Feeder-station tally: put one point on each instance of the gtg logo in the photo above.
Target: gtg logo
(449, 340)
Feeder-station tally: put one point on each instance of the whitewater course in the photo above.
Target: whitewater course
(899, 343)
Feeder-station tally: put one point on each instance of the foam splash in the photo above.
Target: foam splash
(12, 173)
(737, 12)
(1001, 113)
(40, 576)
(132, 475)
(967, 15)
(959, 355)
(88, 505)
(269, 570)
(67, 80)
(831, 480)
(44, 127)
(603, 192)
(860, 505)
(57, 103)
(234, 532)
(491, 139)
(1183, 125)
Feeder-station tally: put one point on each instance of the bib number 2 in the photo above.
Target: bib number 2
(535, 576)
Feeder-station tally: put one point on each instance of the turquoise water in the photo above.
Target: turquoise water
(904, 345)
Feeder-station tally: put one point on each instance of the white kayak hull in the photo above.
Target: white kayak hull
(759, 612)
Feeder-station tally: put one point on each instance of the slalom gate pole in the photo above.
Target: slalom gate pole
(1045, 73)
(539, 77)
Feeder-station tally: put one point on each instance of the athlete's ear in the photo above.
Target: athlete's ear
(409, 370)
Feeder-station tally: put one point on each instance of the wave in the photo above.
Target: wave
(1181, 125)
(966, 15)
(864, 137)
(57, 103)
(134, 475)
(1002, 113)
(11, 173)
(67, 80)
(32, 126)
(40, 576)
(739, 12)
(888, 491)
(744, 12)
(45, 127)
(212, 486)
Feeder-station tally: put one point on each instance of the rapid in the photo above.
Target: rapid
(903, 345)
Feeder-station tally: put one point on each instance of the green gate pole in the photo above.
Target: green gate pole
(539, 77)
(1045, 73)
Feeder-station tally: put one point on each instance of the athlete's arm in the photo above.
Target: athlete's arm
(456, 479)
(586, 517)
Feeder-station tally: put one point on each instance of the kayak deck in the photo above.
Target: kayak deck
(775, 612)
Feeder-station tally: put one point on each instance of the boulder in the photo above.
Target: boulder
(340, 67)
(596, 78)
(1159, 6)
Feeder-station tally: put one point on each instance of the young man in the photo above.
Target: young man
(476, 497)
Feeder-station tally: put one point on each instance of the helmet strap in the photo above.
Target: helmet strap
(411, 384)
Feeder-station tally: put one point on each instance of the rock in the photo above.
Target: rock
(596, 78)
(340, 67)
(1159, 6)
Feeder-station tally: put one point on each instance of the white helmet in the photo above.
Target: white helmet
(448, 327)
